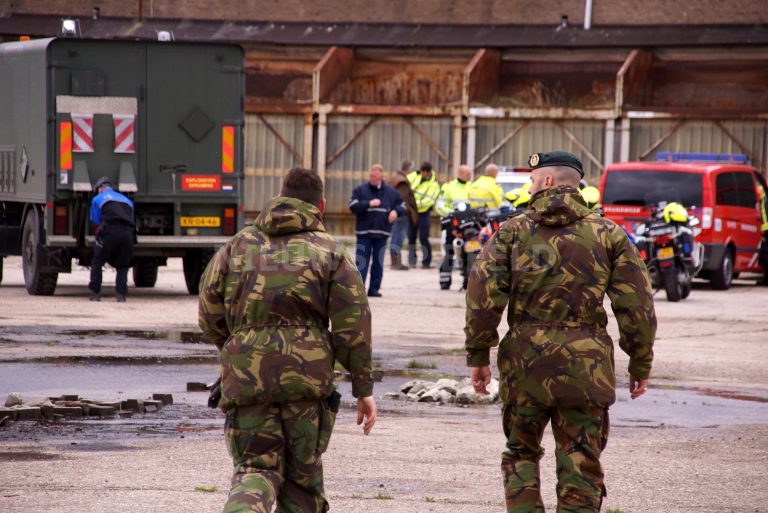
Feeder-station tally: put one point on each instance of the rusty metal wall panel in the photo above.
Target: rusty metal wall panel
(698, 136)
(388, 141)
(267, 160)
(537, 136)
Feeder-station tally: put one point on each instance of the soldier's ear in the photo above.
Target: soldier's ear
(321, 206)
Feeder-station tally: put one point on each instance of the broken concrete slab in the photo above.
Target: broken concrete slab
(134, 405)
(13, 399)
(165, 398)
(194, 386)
(28, 413)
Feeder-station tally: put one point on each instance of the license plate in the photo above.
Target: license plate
(471, 246)
(200, 221)
(665, 253)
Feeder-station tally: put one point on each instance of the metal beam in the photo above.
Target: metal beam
(351, 140)
(501, 144)
(631, 77)
(286, 144)
(336, 66)
(308, 134)
(583, 148)
(429, 141)
(737, 142)
(661, 139)
(480, 81)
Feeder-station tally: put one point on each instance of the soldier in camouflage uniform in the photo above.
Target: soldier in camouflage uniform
(553, 266)
(283, 301)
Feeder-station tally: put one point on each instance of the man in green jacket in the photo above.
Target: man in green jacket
(283, 301)
(553, 266)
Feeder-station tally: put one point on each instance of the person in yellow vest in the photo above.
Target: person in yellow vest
(426, 190)
(451, 192)
(519, 197)
(485, 192)
(764, 229)
(591, 195)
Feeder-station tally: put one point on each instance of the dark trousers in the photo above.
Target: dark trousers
(422, 230)
(371, 249)
(114, 245)
(763, 257)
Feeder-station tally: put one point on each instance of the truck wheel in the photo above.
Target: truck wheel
(37, 282)
(145, 273)
(722, 277)
(194, 265)
(672, 284)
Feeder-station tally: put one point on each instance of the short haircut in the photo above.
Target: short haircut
(426, 166)
(406, 165)
(303, 184)
(377, 166)
(564, 175)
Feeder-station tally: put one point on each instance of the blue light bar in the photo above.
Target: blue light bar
(737, 158)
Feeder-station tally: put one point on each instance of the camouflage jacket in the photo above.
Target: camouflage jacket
(267, 300)
(553, 266)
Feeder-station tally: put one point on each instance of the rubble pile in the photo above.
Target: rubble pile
(445, 391)
(72, 406)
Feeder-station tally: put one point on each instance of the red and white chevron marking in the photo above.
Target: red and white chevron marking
(124, 133)
(82, 133)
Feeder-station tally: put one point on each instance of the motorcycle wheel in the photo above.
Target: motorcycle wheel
(672, 285)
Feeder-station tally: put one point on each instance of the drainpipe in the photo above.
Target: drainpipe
(588, 15)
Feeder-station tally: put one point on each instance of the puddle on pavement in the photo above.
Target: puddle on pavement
(185, 337)
(18, 456)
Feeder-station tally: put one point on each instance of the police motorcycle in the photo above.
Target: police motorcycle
(668, 246)
(464, 224)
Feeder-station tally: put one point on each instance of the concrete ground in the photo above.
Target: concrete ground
(697, 442)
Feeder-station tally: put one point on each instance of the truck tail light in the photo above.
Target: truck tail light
(706, 218)
(60, 220)
(228, 226)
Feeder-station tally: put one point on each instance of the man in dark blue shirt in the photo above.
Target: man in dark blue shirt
(376, 206)
(113, 214)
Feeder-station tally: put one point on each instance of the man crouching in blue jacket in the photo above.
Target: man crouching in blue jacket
(376, 205)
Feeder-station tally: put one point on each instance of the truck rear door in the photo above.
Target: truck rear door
(193, 134)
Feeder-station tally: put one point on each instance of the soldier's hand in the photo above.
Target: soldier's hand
(374, 202)
(481, 378)
(366, 410)
(637, 387)
(392, 216)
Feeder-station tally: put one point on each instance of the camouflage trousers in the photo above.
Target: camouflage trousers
(580, 437)
(277, 453)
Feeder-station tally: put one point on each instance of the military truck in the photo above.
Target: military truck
(162, 120)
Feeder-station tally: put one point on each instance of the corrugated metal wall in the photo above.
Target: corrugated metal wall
(267, 160)
(699, 136)
(538, 136)
(388, 141)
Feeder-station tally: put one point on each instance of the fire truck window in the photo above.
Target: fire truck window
(746, 187)
(727, 191)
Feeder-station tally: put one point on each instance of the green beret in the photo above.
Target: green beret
(555, 158)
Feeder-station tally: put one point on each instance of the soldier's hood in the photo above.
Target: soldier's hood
(283, 215)
(557, 206)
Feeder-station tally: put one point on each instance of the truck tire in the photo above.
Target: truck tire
(145, 273)
(722, 277)
(37, 282)
(194, 264)
(672, 285)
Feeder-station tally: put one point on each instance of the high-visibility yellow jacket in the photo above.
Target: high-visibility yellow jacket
(451, 192)
(764, 212)
(485, 192)
(425, 191)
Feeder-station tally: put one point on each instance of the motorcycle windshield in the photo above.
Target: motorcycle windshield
(642, 187)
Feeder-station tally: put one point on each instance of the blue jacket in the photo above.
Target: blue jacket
(372, 222)
(120, 211)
